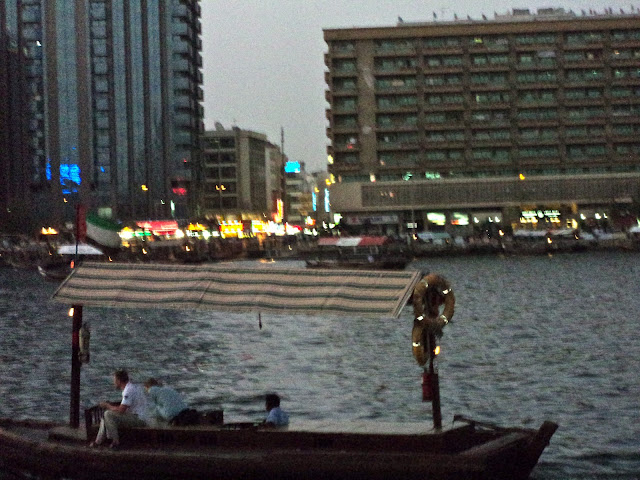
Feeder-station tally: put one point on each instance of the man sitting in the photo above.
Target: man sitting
(132, 411)
(167, 405)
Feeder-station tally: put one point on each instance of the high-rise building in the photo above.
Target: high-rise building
(238, 183)
(523, 112)
(114, 105)
(14, 176)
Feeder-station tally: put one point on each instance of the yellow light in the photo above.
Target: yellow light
(522, 177)
(437, 350)
(71, 312)
(501, 233)
(549, 241)
(330, 159)
(144, 188)
(144, 251)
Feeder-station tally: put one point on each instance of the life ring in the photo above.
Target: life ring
(430, 293)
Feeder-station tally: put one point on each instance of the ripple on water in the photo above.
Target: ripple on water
(533, 338)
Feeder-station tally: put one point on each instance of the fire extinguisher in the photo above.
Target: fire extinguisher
(85, 338)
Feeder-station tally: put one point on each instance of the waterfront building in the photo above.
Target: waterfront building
(240, 181)
(529, 118)
(114, 109)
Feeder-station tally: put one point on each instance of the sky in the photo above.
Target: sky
(263, 60)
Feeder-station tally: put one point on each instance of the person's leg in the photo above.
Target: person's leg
(116, 420)
(110, 421)
(100, 438)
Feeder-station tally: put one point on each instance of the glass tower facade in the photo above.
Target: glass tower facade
(114, 105)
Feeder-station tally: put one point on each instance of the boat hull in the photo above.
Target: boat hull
(461, 453)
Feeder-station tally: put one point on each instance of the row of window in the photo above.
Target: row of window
(541, 58)
(491, 41)
(479, 98)
(537, 58)
(493, 134)
(485, 173)
(499, 154)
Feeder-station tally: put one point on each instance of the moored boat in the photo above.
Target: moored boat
(369, 263)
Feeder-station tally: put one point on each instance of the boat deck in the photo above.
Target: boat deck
(370, 427)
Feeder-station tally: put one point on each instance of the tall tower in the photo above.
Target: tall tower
(114, 105)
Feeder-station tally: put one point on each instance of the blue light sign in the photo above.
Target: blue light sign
(292, 167)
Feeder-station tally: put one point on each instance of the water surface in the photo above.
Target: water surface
(533, 338)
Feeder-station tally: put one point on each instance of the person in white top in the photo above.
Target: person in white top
(276, 417)
(132, 410)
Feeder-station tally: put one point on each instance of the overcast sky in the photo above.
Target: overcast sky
(263, 60)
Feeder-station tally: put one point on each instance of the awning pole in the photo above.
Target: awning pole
(74, 410)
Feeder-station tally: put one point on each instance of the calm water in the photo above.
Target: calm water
(533, 338)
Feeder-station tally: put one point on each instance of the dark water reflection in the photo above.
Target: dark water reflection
(533, 338)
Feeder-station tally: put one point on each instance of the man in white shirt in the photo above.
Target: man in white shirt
(131, 412)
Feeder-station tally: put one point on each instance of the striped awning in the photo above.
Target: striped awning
(235, 288)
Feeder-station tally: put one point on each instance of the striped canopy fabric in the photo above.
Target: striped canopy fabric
(235, 288)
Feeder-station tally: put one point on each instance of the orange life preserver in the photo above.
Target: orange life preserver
(430, 293)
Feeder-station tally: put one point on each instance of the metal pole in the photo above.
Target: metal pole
(74, 410)
(435, 384)
(284, 178)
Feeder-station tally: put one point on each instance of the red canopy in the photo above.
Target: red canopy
(365, 241)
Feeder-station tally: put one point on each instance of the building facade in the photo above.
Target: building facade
(240, 182)
(526, 112)
(114, 109)
(15, 182)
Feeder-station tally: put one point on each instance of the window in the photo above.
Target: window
(344, 65)
(344, 84)
(538, 152)
(396, 63)
(441, 42)
(344, 103)
(342, 46)
(623, 35)
(395, 82)
(345, 121)
(535, 39)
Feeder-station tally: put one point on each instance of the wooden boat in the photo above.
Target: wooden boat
(58, 269)
(305, 450)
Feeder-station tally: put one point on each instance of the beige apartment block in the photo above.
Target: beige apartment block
(519, 112)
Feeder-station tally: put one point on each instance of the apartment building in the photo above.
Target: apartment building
(113, 106)
(240, 181)
(491, 118)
